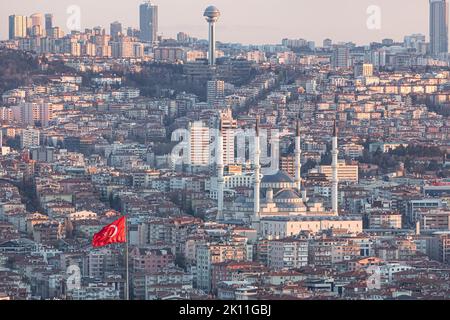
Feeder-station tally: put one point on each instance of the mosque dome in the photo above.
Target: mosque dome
(279, 180)
(289, 199)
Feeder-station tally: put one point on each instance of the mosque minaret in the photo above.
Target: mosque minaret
(335, 177)
(220, 178)
(298, 164)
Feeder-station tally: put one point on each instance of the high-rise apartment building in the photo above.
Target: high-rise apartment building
(438, 27)
(199, 146)
(215, 92)
(148, 15)
(29, 138)
(125, 47)
(18, 26)
(48, 23)
(30, 112)
(229, 126)
(363, 70)
(36, 25)
(341, 56)
(36, 19)
(115, 30)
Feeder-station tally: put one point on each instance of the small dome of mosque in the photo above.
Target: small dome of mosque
(287, 194)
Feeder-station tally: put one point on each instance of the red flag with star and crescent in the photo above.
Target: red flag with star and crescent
(112, 233)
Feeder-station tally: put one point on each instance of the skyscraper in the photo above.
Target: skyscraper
(215, 92)
(115, 30)
(148, 15)
(438, 26)
(363, 70)
(229, 126)
(199, 149)
(17, 27)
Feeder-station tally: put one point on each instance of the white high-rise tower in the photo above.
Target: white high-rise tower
(212, 15)
(220, 179)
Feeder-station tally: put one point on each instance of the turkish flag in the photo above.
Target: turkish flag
(113, 233)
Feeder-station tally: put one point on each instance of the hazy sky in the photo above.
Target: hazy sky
(246, 21)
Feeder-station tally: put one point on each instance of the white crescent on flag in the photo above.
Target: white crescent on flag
(114, 232)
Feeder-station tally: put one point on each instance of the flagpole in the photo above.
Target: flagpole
(127, 285)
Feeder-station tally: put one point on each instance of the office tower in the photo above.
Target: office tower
(115, 30)
(417, 42)
(199, 149)
(18, 26)
(215, 92)
(48, 23)
(438, 26)
(148, 15)
(341, 57)
(212, 15)
(257, 180)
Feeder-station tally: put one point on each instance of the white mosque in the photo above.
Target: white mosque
(279, 207)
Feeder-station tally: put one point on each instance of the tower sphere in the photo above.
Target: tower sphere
(212, 14)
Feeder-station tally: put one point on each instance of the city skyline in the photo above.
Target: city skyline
(262, 28)
(249, 152)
